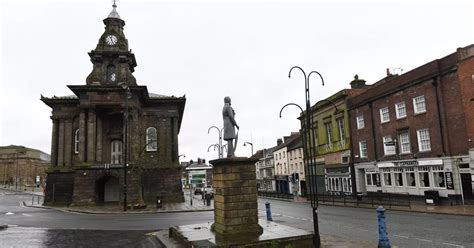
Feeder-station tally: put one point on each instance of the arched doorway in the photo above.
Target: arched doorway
(108, 189)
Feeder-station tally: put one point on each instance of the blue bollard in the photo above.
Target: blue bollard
(269, 211)
(383, 237)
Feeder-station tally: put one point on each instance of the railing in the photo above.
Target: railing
(273, 194)
(372, 200)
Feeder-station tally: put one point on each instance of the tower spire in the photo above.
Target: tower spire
(114, 13)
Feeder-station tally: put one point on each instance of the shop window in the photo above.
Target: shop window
(387, 177)
(438, 177)
(410, 174)
(423, 173)
(398, 178)
(368, 179)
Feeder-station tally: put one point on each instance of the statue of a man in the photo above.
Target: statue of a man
(228, 114)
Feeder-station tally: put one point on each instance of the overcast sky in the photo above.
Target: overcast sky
(210, 49)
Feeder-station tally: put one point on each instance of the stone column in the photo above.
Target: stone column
(61, 143)
(54, 142)
(235, 198)
(68, 139)
(98, 157)
(91, 136)
(82, 136)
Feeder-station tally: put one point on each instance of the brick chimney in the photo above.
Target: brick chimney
(279, 142)
(357, 83)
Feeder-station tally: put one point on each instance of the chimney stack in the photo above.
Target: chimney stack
(357, 83)
(279, 142)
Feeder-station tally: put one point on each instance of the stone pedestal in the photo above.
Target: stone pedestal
(235, 197)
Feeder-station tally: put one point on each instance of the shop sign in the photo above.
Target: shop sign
(449, 180)
(431, 162)
(406, 163)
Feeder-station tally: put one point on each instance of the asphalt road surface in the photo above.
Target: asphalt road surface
(51, 228)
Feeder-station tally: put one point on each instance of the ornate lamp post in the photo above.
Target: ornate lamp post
(251, 145)
(219, 145)
(308, 150)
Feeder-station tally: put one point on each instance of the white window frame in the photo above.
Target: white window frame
(150, 145)
(76, 141)
(419, 104)
(387, 171)
(424, 141)
(435, 170)
(363, 150)
(404, 144)
(340, 126)
(384, 115)
(424, 169)
(398, 171)
(388, 149)
(410, 170)
(360, 122)
(398, 107)
(328, 127)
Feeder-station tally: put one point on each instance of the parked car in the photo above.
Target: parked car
(198, 191)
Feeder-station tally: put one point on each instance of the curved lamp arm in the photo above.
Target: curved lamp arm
(294, 104)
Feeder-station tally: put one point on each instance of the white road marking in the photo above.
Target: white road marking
(400, 236)
(9, 213)
(453, 245)
(361, 229)
(425, 240)
(27, 215)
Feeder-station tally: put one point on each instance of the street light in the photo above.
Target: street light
(219, 145)
(310, 154)
(127, 95)
(251, 145)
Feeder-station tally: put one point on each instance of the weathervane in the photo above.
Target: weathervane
(114, 5)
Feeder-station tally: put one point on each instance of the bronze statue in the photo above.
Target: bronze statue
(228, 114)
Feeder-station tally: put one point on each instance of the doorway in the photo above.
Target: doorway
(467, 186)
(108, 189)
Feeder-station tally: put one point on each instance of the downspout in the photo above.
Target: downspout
(352, 148)
(373, 132)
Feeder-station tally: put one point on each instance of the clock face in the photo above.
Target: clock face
(111, 40)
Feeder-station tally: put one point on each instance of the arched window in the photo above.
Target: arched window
(111, 74)
(151, 141)
(76, 141)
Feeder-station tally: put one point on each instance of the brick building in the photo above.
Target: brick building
(22, 167)
(414, 132)
(88, 151)
(331, 129)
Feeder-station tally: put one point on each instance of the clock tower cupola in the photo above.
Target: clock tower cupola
(113, 63)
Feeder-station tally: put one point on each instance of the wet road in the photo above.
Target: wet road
(43, 227)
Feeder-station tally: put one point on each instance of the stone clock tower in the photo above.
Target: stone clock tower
(113, 61)
(108, 123)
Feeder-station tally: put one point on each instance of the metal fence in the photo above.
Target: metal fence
(375, 199)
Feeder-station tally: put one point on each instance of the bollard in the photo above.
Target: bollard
(383, 236)
(32, 198)
(269, 211)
